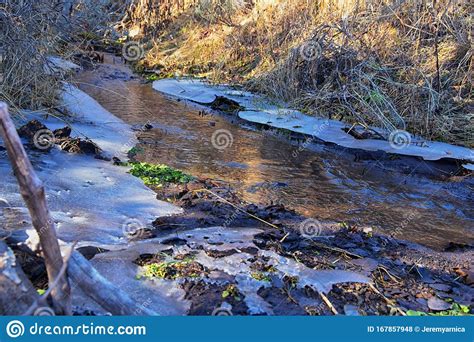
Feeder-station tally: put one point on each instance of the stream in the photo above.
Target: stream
(265, 167)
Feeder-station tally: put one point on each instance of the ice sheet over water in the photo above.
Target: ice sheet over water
(93, 121)
(261, 111)
(92, 201)
(55, 65)
(165, 297)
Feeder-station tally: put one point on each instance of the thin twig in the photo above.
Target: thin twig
(388, 301)
(328, 303)
(237, 208)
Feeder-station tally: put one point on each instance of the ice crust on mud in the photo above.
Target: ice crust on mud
(163, 296)
(91, 200)
(261, 111)
(58, 65)
(118, 267)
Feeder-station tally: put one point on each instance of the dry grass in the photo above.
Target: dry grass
(33, 30)
(388, 63)
(27, 37)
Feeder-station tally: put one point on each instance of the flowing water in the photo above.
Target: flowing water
(315, 180)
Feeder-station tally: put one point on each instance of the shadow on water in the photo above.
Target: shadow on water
(315, 180)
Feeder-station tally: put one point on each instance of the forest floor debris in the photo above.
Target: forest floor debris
(406, 276)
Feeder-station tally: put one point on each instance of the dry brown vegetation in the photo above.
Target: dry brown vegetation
(389, 63)
(31, 31)
(28, 34)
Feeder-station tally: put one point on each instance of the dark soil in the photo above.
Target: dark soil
(206, 297)
(404, 275)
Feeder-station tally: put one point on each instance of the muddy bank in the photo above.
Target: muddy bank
(403, 276)
(225, 256)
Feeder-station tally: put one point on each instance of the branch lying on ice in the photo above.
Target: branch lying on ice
(78, 268)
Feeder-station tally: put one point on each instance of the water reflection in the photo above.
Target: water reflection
(263, 167)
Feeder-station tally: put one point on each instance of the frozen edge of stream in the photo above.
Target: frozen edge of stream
(119, 267)
(261, 111)
(166, 297)
(92, 201)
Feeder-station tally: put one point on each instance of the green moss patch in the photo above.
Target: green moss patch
(174, 270)
(456, 310)
(260, 276)
(157, 175)
(232, 291)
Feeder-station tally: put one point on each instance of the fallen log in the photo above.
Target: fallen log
(85, 277)
(17, 293)
(107, 295)
(32, 191)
